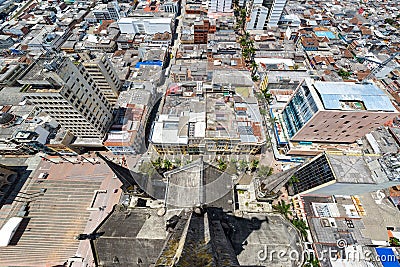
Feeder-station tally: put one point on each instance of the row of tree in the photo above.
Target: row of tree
(244, 166)
(248, 49)
(285, 209)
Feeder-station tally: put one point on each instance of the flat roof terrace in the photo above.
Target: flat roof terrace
(335, 95)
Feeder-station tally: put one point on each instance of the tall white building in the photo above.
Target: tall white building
(65, 91)
(276, 12)
(102, 72)
(265, 13)
(170, 6)
(220, 6)
(258, 17)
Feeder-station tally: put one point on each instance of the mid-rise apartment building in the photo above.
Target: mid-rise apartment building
(265, 13)
(202, 28)
(110, 11)
(104, 75)
(65, 91)
(220, 6)
(335, 112)
(258, 17)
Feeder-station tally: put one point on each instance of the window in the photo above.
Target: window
(343, 116)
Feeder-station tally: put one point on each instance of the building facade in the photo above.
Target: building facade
(276, 12)
(265, 13)
(171, 6)
(201, 30)
(145, 25)
(220, 6)
(65, 91)
(337, 112)
(194, 121)
(104, 75)
(110, 12)
(258, 17)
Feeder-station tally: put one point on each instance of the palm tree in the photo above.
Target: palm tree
(254, 164)
(252, 51)
(245, 53)
(167, 164)
(177, 162)
(260, 96)
(243, 42)
(254, 65)
(255, 78)
(222, 165)
(283, 209)
(243, 15)
(273, 120)
(268, 97)
(311, 262)
(301, 226)
(157, 163)
(243, 165)
(293, 179)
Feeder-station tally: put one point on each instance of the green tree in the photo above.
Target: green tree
(268, 96)
(157, 163)
(273, 120)
(293, 179)
(243, 165)
(283, 209)
(390, 21)
(260, 96)
(263, 112)
(222, 165)
(177, 162)
(254, 66)
(393, 241)
(344, 74)
(243, 13)
(167, 164)
(254, 165)
(311, 262)
(301, 226)
(245, 54)
(250, 51)
(243, 42)
(255, 78)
